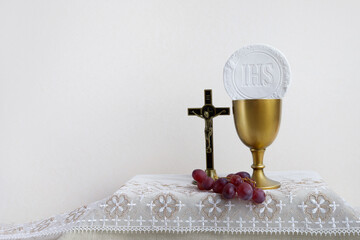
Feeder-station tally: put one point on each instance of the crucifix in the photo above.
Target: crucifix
(208, 112)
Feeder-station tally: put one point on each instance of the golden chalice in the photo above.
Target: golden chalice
(257, 123)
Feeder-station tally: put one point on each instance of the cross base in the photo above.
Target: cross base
(211, 173)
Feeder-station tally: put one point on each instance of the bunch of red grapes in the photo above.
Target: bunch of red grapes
(239, 183)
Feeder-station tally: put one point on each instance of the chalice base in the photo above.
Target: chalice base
(264, 182)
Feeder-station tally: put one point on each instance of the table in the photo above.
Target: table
(169, 206)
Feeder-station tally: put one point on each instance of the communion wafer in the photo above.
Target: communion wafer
(257, 72)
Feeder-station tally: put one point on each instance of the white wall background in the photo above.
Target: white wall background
(95, 92)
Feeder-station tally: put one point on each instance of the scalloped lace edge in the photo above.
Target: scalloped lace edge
(139, 229)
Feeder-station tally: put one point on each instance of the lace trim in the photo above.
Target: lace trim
(136, 229)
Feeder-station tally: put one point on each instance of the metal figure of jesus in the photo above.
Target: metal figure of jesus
(208, 112)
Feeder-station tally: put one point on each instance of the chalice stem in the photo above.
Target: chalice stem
(258, 165)
(258, 171)
(258, 157)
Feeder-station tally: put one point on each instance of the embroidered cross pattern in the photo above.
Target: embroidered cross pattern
(309, 212)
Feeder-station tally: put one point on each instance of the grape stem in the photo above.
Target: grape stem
(246, 179)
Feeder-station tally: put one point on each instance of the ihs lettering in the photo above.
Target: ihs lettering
(257, 75)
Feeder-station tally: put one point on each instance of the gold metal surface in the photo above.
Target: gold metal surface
(257, 123)
(212, 173)
(208, 112)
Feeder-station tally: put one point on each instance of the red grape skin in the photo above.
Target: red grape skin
(230, 175)
(229, 191)
(239, 183)
(208, 183)
(199, 175)
(219, 185)
(200, 186)
(243, 174)
(245, 191)
(258, 195)
(236, 180)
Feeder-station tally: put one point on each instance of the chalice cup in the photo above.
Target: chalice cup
(257, 123)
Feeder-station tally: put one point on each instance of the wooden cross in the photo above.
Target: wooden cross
(208, 112)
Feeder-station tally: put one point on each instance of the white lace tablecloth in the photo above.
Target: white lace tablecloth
(170, 203)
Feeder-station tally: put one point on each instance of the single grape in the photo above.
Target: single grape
(229, 191)
(230, 175)
(236, 180)
(244, 191)
(208, 183)
(199, 175)
(219, 185)
(243, 174)
(258, 195)
(200, 186)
